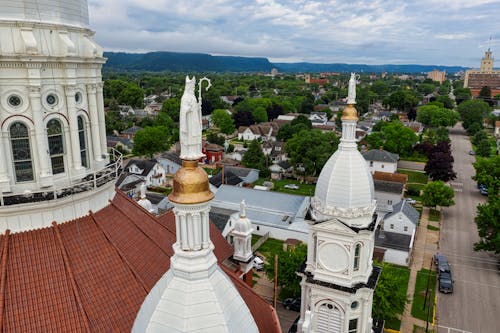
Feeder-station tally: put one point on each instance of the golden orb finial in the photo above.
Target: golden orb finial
(190, 185)
(350, 113)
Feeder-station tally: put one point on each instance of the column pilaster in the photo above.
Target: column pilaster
(102, 120)
(4, 174)
(73, 129)
(94, 121)
(41, 144)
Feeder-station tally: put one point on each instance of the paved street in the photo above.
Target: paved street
(475, 304)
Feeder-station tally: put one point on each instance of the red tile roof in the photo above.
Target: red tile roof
(92, 274)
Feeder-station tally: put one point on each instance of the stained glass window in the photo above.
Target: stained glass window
(21, 152)
(56, 147)
(83, 142)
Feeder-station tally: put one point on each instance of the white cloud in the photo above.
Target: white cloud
(327, 31)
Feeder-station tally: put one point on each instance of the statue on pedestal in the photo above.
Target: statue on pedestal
(351, 95)
(190, 122)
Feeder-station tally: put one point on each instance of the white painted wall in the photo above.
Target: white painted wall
(381, 166)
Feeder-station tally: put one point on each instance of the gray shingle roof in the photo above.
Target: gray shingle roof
(385, 186)
(145, 165)
(392, 240)
(238, 171)
(229, 178)
(381, 156)
(404, 207)
(172, 156)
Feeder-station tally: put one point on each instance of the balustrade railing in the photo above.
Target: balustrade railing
(89, 182)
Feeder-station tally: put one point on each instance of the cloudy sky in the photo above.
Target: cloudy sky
(434, 32)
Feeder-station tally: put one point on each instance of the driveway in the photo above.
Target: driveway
(474, 306)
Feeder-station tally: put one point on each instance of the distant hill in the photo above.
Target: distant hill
(184, 62)
(200, 62)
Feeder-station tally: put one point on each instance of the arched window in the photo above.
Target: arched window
(83, 142)
(357, 254)
(56, 147)
(21, 152)
(330, 319)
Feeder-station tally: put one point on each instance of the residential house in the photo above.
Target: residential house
(153, 109)
(264, 132)
(224, 177)
(387, 194)
(382, 116)
(318, 118)
(170, 161)
(129, 133)
(214, 153)
(280, 214)
(497, 129)
(381, 160)
(126, 110)
(248, 175)
(150, 99)
(122, 144)
(151, 172)
(276, 151)
(280, 170)
(403, 219)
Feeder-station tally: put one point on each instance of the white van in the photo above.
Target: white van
(258, 263)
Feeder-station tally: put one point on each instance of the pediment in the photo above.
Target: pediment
(334, 225)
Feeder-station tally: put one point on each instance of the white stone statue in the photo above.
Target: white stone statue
(243, 208)
(351, 95)
(190, 123)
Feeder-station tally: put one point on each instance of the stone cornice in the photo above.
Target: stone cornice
(45, 25)
(49, 62)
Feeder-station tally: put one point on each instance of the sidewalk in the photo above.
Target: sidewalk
(424, 247)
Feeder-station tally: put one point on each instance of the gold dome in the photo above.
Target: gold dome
(350, 113)
(190, 185)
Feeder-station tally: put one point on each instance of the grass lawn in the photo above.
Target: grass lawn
(434, 215)
(433, 228)
(415, 176)
(270, 246)
(417, 310)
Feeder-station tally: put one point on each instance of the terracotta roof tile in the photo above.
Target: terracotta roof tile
(93, 273)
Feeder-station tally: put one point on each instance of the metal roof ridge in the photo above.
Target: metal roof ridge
(71, 277)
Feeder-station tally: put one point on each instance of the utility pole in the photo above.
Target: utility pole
(428, 282)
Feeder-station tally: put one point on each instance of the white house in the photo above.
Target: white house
(403, 219)
(170, 161)
(318, 118)
(387, 194)
(396, 247)
(151, 172)
(381, 160)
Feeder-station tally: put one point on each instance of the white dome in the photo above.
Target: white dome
(205, 303)
(345, 181)
(68, 12)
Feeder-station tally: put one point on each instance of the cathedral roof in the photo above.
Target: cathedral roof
(92, 274)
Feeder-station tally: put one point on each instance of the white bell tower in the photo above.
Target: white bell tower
(338, 280)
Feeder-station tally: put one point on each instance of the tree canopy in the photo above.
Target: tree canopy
(311, 149)
(437, 193)
(440, 163)
(394, 137)
(151, 140)
(223, 121)
(473, 112)
(488, 225)
(488, 173)
(435, 116)
(254, 158)
(389, 298)
(288, 264)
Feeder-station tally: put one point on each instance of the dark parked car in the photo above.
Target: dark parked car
(445, 283)
(292, 304)
(441, 263)
(483, 191)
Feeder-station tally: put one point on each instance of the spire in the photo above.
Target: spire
(350, 117)
(242, 236)
(143, 202)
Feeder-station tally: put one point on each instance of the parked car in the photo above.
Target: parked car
(258, 263)
(291, 186)
(292, 304)
(483, 191)
(411, 201)
(471, 152)
(441, 263)
(445, 283)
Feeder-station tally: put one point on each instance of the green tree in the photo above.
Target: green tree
(151, 140)
(254, 158)
(437, 193)
(390, 298)
(172, 108)
(223, 121)
(447, 101)
(435, 116)
(394, 137)
(488, 173)
(462, 94)
(288, 264)
(311, 149)
(473, 112)
(488, 225)
(132, 95)
(259, 114)
(485, 93)
(483, 148)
